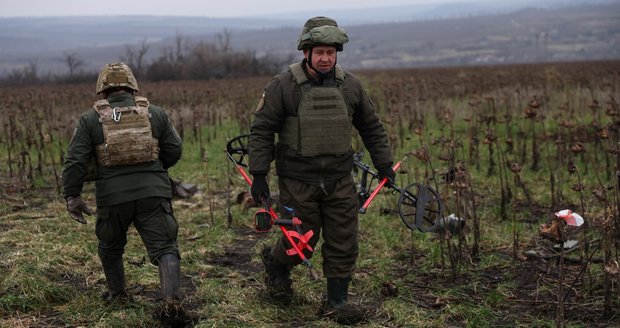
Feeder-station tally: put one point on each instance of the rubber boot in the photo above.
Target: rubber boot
(337, 307)
(115, 278)
(170, 312)
(337, 292)
(278, 279)
(170, 276)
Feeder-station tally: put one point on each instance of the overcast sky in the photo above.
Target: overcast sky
(212, 8)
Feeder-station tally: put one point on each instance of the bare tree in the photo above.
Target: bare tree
(72, 62)
(223, 43)
(134, 57)
(16, 76)
(202, 60)
(223, 40)
(31, 72)
(26, 74)
(180, 42)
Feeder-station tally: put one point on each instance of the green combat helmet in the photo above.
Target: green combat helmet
(116, 75)
(322, 31)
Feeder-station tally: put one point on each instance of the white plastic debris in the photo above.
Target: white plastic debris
(569, 244)
(451, 223)
(571, 218)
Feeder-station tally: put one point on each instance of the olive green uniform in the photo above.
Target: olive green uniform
(134, 193)
(319, 188)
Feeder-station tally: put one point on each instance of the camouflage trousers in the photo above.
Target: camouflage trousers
(154, 220)
(332, 211)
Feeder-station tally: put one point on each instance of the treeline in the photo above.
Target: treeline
(183, 60)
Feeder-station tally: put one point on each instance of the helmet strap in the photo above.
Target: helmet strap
(310, 50)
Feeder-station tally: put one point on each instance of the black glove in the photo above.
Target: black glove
(75, 206)
(386, 172)
(260, 188)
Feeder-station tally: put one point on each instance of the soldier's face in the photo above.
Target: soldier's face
(323, 58)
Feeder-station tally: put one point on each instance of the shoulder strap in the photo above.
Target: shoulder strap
(300, 76)
(298, 73)
(142, 101)
(105, 111)
(101, 106)
(339, 74)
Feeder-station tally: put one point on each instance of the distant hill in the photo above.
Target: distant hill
(527, 35)
(404, 36)
(431, 11)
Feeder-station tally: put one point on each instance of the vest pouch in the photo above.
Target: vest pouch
(128, 138)
(324, 122)
(290, 132)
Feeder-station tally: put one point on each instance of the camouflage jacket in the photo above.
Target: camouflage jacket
(119, 184)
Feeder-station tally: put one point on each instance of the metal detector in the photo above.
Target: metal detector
(419, 206)
(266, 217)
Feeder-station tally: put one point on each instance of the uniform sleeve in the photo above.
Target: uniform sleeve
(367, 122)
(268, 120)
(170, 144)
(78, 154)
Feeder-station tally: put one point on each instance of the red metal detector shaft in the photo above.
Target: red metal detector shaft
(274, 216)
(378, 188)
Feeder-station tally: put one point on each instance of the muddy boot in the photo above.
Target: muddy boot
(278, 279)
(115, 279)
(170, 276)
(336, 306)
(170, 312)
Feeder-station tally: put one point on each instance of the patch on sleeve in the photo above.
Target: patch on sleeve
(261, 103)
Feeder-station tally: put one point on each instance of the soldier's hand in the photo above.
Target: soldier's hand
(76, 206)
(260, 188)
(386, 172)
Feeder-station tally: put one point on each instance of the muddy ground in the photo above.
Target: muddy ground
(533, 277)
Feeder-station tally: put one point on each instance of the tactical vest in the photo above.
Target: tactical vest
(322, 125)
(127, 135)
